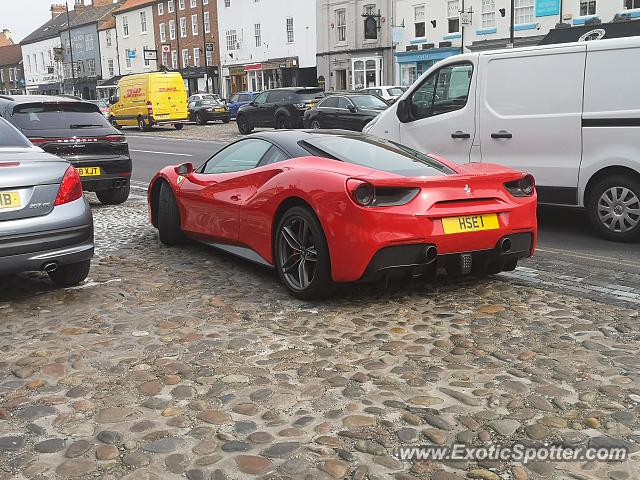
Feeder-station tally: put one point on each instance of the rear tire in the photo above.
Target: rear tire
(244, 127)
(200, 120)
(169, 218)
(114, 196)
(178, 126)
(70, 275)
(302, 256)
(315, 125)
(282, 123)
(614, 208)
(142, 126)
(226, 120)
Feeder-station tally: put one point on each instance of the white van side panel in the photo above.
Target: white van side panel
(536, 97)
(611, 120)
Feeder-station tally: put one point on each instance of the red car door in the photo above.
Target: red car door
(211, 197)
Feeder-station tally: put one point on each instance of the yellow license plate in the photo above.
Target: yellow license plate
(88, 171)
(10, 200)
(313, 105)
(219, 109)
(471, 223)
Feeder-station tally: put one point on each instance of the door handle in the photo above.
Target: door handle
(460, 134)
(502, 134)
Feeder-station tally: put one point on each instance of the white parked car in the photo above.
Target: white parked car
(567, 113)
(388, 93)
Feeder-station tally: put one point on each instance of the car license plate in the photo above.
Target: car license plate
(219, 109)
(313, 105)
(88, 171)
(10, 200)
(470, 223)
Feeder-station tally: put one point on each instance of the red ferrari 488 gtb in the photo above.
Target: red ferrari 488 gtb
(323, 207)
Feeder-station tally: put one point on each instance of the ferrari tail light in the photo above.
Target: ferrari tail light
(70, 187)
(521, 188)
(367, 195)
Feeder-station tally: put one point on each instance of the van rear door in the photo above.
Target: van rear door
(530, 107)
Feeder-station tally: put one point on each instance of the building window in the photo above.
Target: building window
(290, 30)
(524, 11)
(11, 74)
(227, 3)
(256, 29)
(418, 18)
(196, 57)
(629, 4)
(127, 59)
(367, 73)
(165, 58)
(163, 33)
(208, 57)
(488, 13)
(170, 6)
(29, 64)
(44, 67)
(183, 27)
(161, 8)
(207, 23)
(174, 59)
(232, 39)
(125, 25)
(205, 2)
(147, 62)
(587, 7)
(91, 67)
(143, 22)
(181, 4)
(370, 9)
(108, 37)
(194, 25)
(185, 57)
(172, 29)
(110, 67)
(1, 75)
(453, 14)
(194, 3)
(88, 43)
(341, 24)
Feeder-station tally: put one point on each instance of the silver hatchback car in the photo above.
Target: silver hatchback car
(45, 221)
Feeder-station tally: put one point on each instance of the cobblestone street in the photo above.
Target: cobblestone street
(189, 363)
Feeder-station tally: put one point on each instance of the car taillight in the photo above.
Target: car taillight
(366, 195)
(70, 188)
(525, 187)
(115, 138)
(150, 108)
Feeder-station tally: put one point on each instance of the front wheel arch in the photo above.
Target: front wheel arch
(604, 173)
(280, 211)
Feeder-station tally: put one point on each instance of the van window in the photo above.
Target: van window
(445, 90)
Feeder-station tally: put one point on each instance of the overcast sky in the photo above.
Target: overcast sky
(23, 16)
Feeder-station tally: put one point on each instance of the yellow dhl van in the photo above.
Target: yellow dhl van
(148, 99)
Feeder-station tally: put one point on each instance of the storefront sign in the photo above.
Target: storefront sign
(254, 66)
(236, 71)
(545, 8)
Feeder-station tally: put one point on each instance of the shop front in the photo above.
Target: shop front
(367, 72)
(414, 63)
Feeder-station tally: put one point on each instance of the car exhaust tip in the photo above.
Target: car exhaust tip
(505, 245)
(50, 267)
(431, 253)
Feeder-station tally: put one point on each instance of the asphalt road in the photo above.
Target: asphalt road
(569, 255)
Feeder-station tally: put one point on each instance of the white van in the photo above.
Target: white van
(567, 113)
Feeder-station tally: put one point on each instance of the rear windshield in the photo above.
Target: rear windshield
(212, 102)
(310, 95)
(56, 116)
(10, 137)
(368, 101)
(376, 153)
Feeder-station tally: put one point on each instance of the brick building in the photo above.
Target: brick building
(11, 71)
(186, 37)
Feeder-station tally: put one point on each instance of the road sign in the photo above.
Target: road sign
(150, 54)
(465, 18)
(131, 54)
(166, 48)
(210, 47)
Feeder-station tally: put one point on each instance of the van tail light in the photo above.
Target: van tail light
(70, 188)
(150, 108)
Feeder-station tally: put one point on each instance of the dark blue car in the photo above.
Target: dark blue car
(239, 99)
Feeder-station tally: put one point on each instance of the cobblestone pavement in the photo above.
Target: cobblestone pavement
(188, 363)
(218, 132)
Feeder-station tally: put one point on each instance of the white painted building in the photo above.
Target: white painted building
(426, 32)
(42, 72)
(108, 50)
(266, 44)
(135, 33)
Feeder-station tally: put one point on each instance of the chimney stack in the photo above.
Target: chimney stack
(57, 9)
(6, 33)
(102, 3)
(79, 5)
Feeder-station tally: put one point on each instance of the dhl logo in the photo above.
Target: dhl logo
(168, 89)
(134, 92)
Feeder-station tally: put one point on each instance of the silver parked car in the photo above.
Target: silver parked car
(45, 220)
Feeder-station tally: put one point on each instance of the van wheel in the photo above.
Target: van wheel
(282, 123)
(113, 123)
(614, 208)
(178, 126)
(244, 127)
(142, 126)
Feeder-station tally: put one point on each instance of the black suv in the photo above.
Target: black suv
(78, 132)
(279, 108)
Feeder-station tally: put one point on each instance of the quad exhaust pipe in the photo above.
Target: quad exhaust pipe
(50, 267)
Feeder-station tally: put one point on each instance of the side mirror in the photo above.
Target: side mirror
(112, 99)
(184, 169)
(403, 111)
(352, 108)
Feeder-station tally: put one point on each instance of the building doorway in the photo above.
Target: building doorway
(341, 79)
